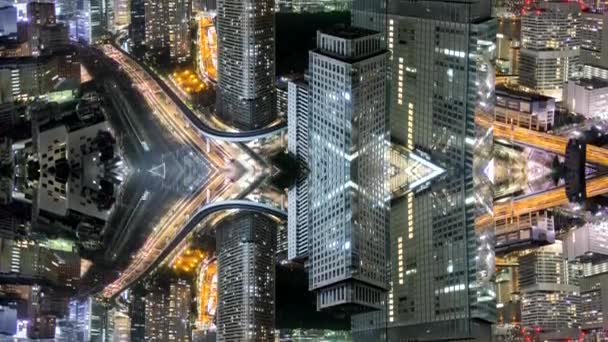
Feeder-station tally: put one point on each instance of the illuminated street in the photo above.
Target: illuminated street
(217, 188)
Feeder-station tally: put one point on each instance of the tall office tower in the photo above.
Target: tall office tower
(177, 311)
(549, 54)
(122, 13)
(41, 13)
(549, 300)
(107, 10)
(8, 20)
(137, 314)
(298, 116)
(65, 10)
(246, 62)
(154, 316)
(167, 27)
(137, 27)
(246, 279)
(89, 21)
(441, 266)
(28, 261)
(593, 34)
(89, 317)
(348, 190)
(593, 313)
(122, 327)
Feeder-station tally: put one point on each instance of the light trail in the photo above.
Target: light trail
(540, 140)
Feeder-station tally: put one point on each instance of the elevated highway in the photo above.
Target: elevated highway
(539, 201)
(540, 140)
(205, 129)
(140, 270)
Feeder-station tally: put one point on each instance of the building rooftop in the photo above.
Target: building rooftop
(348, 32)
(504, 90)
(592, 83)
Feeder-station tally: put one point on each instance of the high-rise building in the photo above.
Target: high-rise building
(550, 47)
(593, 313)
(154, 326)
(441, 264)
(246, 62)
(369, 14)
(89, 21)
(107, 17)
(137, 314)
(177, 311)
(246, 278)
(550, 301)
(122, 328)
(167, 27)
(348, 137)
(41, 13)
(593, 35)
(122, 13)
(8, 20)
(137, 27)
(297, 120)
(89, 317)
(28, 261)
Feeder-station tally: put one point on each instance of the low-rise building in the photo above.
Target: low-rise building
(524, 109)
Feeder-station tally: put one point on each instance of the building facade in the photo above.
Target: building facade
(587, 97)
(246, 63)
(550, 300)
(298, 144)
(89, 21)
(167, 28)
(550, 51)
(246, 244)
(593, 34)
(348, 136)
(441, 265)
(524, 109)
(137, 27)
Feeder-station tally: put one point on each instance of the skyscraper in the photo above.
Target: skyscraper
(593, 34)
(298, 101)
(8, 20)
(348, 191)
(121, 13)
(246, 278)
(41, 13)
(167, 311)
(167, 27)
(441, 268)
(89, 21)
(550, 49)
(246, 62)
(137, 28)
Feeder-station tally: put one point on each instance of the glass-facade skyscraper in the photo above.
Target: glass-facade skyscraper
(348, 195)
(246, 245)
(246, 96)
(441, 264)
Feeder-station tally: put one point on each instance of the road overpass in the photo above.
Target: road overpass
(205, 129)
(539, 140)
(140, 270)
(543, 200)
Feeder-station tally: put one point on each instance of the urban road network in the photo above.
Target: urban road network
(220, 194)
